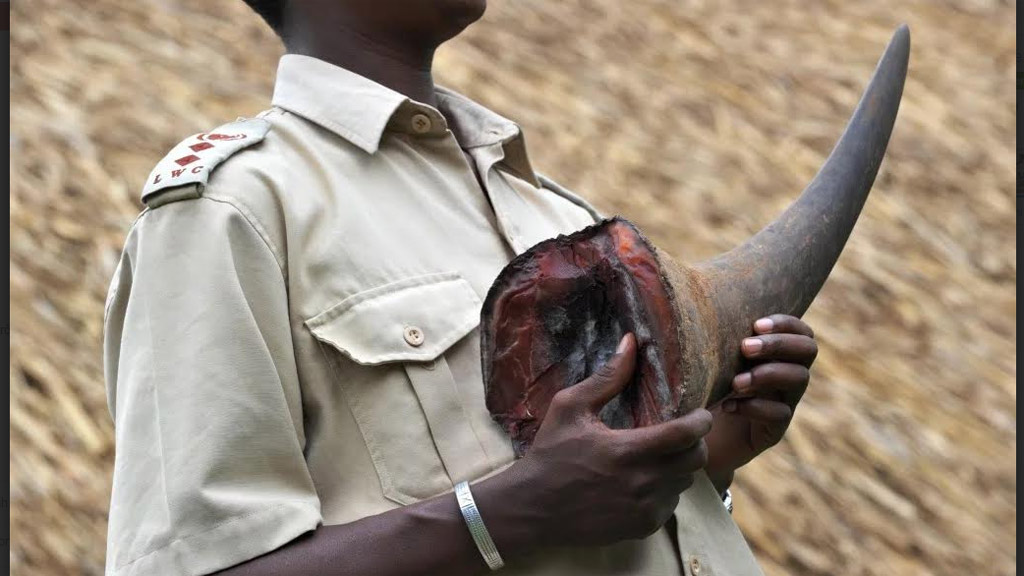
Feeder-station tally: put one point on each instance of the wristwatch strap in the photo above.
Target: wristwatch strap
(727, 500)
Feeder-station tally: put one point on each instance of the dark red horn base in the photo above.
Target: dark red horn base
(557, 312)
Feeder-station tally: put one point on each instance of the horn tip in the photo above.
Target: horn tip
(897, 53)
(902, 34)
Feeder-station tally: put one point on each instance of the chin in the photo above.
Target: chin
(458, 14)
(471, 8)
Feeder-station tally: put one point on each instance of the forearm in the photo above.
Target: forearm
(428, 537)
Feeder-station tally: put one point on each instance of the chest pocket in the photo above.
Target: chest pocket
(387, 347)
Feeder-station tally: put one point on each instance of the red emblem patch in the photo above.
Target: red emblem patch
(221, 137)
(201, 146)
(186, 160)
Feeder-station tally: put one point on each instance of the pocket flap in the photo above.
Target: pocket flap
(415, 319)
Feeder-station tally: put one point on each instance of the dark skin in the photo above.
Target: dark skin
(757, 413)
(575, 461)
(392, 42)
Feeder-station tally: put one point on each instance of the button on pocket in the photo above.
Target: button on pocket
(413, 336)
(387, 347)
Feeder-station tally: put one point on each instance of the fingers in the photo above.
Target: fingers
(782, 323)
(784, 347)
(675, 435)
(781, 348)
(685, 463)
(764, 379)
(610, 379)
(759, 409)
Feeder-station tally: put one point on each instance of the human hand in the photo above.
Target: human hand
(757, 413)
(591, 485)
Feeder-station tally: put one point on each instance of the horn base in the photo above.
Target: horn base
(557, 313)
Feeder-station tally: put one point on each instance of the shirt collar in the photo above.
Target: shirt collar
(353, 107)
(361, 110)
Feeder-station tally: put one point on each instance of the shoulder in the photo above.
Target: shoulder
(243, 162)
(185, 170)
(556, 188)
(240, 166)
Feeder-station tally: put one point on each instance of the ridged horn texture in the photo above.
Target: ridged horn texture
(557, 311)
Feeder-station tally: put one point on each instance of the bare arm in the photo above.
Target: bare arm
(429, 537)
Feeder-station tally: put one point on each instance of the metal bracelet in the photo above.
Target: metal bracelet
(477, 530)
(727, 500)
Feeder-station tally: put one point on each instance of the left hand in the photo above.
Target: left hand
(755, 416)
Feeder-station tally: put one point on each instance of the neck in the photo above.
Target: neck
(404, 67)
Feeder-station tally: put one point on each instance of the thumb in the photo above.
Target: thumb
(611, 378)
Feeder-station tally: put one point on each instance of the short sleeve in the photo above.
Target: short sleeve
(202, 385)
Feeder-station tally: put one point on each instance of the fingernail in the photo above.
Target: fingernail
(752, 345)
(622, 344)
(742, 382)
(729, 405)
(764, 325)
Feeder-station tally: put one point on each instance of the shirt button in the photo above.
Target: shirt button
(695, 565)
(413, 336)
(421, 124)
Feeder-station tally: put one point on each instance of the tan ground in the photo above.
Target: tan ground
(699, 120)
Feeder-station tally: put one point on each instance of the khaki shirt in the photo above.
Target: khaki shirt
(291, 339)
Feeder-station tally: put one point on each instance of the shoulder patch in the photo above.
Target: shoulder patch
(549, 184)
(193, 159)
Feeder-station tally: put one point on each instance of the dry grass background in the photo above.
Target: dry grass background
(700, 120)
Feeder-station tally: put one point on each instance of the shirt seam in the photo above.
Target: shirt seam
(256, 225)
(246, 214)
(552, 186)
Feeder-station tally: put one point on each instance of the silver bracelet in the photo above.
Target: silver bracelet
(477, 530)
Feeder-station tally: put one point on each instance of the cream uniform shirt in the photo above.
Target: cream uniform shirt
(291, 333)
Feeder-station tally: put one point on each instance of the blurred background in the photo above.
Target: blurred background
(699, 121)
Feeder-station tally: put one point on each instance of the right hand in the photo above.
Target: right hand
(590, 485)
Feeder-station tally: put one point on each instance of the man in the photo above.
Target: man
(292, 357)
